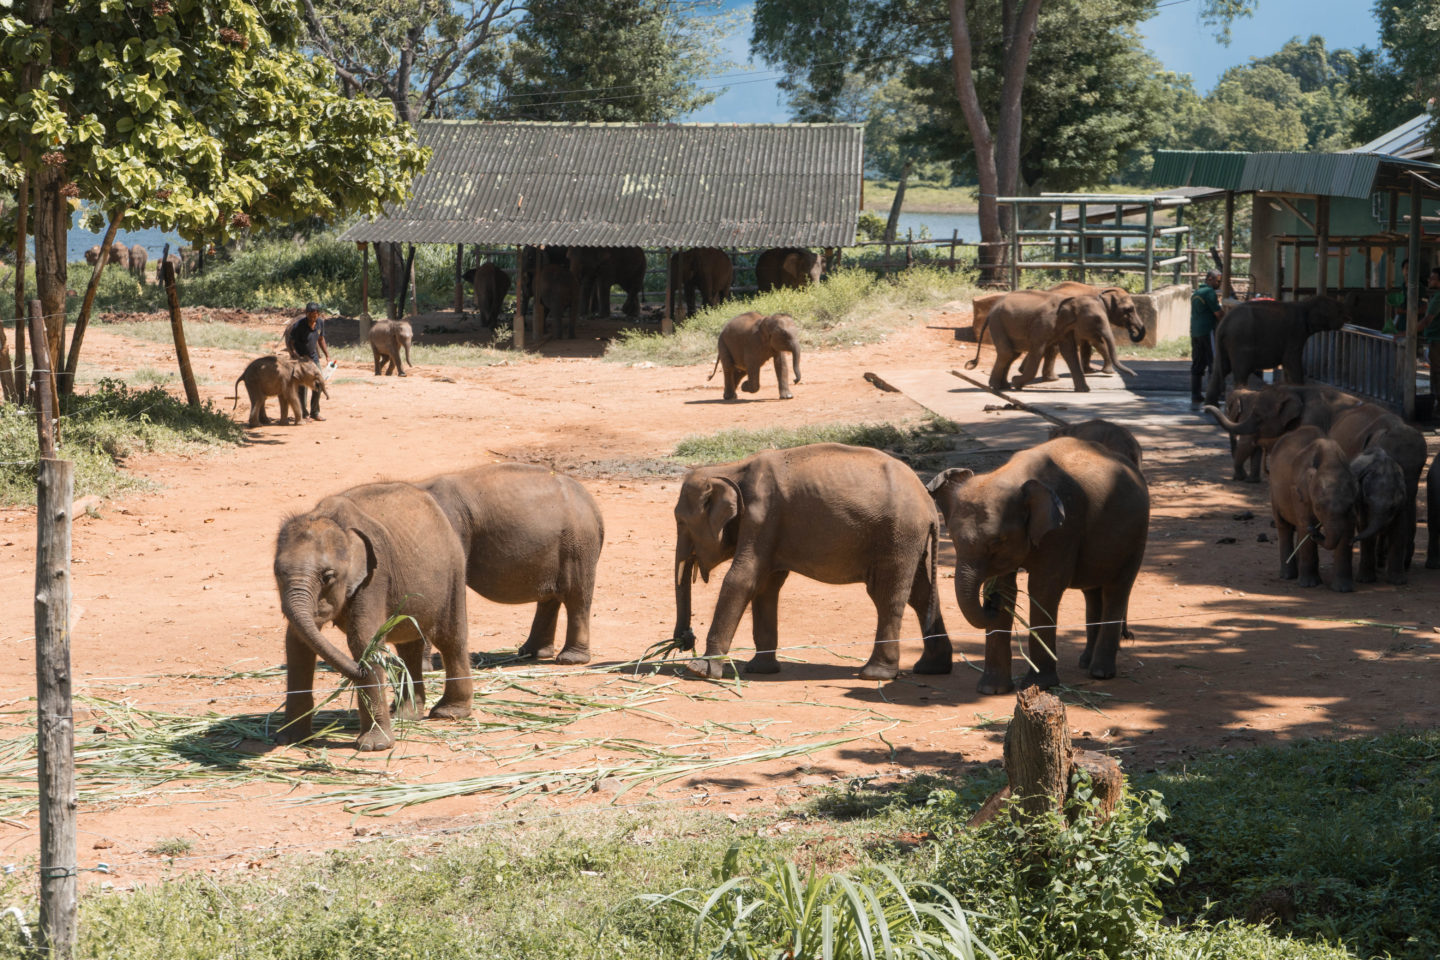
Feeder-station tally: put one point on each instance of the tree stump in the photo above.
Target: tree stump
(1039, 761)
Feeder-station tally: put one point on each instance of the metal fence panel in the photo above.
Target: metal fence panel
(1359, 361)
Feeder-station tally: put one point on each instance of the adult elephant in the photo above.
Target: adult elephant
(1030, 321)
(831, 512)
(1261, 334)
(530, 535)
(491, 285)
(557, 294)
(747, 342)
(357, 559)
(598, 269)
(120, 256)
(92, 256)
(1119, 307)
(703, 270)
(139, 259)
(530, 258)
(787, 267)
(1255, 419)
(1074, 515)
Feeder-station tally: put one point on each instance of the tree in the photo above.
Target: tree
(1396, 81)
(893, 114)
(200, 117)
(605, 60)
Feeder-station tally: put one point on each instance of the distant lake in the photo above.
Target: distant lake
(151, 239)
(940, 225)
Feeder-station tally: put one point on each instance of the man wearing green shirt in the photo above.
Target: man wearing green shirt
(1204, 315)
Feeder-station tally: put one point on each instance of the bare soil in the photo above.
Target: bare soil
(173, 595)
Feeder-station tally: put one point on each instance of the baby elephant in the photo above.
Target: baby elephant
(1112, 436)
(278, 376)
(747, 342)
(1313, 489)
(1380, 513)
(387, 339)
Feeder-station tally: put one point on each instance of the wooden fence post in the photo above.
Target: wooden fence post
(55, 725)
(177, 329)
(460, 279)
(365, 318)
(667, 321)
(517, 326)
(954, 239)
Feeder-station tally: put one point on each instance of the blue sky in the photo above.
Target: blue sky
(1175, 35)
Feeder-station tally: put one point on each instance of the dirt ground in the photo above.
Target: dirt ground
(176, 608)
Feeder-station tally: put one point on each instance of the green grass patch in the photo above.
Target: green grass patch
(100, 430)
(921, 197)
(223, 336)
(1176, 349)
(932, 435)
(439, 355)
(851, 307)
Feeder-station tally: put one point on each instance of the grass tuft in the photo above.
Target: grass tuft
(932, 435)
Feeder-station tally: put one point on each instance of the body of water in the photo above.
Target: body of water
(152, 240)
(940, 225)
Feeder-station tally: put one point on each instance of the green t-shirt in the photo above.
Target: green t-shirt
(1203, 307)
(1429, 325)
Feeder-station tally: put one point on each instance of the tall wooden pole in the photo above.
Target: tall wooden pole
(1322, 246)
(21, 216)
(667, 321)
(1412, 303)
(517, 326)
(82, 321)
(1227, 269)
(460, 278)
(177, 330)
(55, 726)
(364, 293)
(410, 273)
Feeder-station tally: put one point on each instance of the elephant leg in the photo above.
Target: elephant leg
(577, 628)
(997, 677)
(541, 642)
(736, 593)
(1000, 373)
(1395, 555)
(1071, 354)
(1285, 536)
(412, 654)
(1107, 367)
(754, 361)
(1028, 368)
(938, 654)
(1114, 613)
(399, 367)
(299, 688)
(1094, 603)
(1342, 577)
(457, 700)
(765, 623)
(732, 380)
(1368, 549)
(1047, 369)
(1044, 607)
(887, 589)
(782, 376)
(257, 408)
(1308, 560)
(379, 361)
(376, 732)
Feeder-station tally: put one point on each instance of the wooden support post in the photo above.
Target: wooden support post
(667, 319)
(1080, 236)
(177, 329)
(410, 273)
(1149, 247)
(365, 318)
(1179, 242)
(1412, 304)
(475, 258)
(954, 239)
(1227, 269)
(1295, 273)
(22, 210)
(909, 248)
(72, 364)
(42, 390)
(1014, 247)
(460, 278)
(1322, 246)
(517, 326)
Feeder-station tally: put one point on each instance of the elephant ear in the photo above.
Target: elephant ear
(947, 478)
(363, 535)
(1044, 509)
(722, 505)
(1290, 412)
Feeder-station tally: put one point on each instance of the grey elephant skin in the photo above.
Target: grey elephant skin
(92, 256)
(1258, 335)
(1380, 514)
(491, 285)
(827, 511)
(1030, 322)
(747, 342)
(278, 376)
(1432, 515)
(530, 259)
(557, 296)
(1074, 515)
(355, 560)
(1366, 426)
(787, 267)
(388, 339)
(1119, 307)
(530, 535)
(139, 258)
(1106, 433)
(120, 256)
(1313, 490)
(706, 271)
(598, 269)
(1255, 419)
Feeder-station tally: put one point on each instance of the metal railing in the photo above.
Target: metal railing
(1359, 361)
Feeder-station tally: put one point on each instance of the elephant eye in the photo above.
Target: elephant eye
(328, 576)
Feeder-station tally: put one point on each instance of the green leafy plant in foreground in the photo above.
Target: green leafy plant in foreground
(767, 910)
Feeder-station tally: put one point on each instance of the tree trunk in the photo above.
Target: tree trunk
(21, 227)
(892, 224)
(72, 364)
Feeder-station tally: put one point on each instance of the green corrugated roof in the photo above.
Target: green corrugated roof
(1219, 169)
(1331, 174)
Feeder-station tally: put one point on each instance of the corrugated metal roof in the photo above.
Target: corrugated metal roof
(1410, 141)
(1330, 174)
(622, 184)
(1198, 168)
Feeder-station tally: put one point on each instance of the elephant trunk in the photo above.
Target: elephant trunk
(297, 602)
(978, 613)
(1247, 426)
(1373, 527)
(1137, 330)
(793, 345)
(684, 577)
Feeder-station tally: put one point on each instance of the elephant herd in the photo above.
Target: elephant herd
(1073, 512)
(134, 261)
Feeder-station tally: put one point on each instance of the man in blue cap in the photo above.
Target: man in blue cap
(306, 338)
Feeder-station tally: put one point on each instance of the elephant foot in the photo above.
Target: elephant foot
(1103, 671)
(1100, 373)
(450, 710)
(684, 638)
(763, 663)
(934, 664)
(993, 683)
(1050, 379)
(296, 732)
(879, 671)
(1288, 573)
(750, 388)
(537, 649)
(1045, 679)
(1343, 586)
(1085, 658)
(407, 709)
(787, 395)
(404, 374)
(1432, 563)
(1396, 579)
(730, 395)
(1082, 388)
(706, 669)
(374, 739)
(570, 656)
(1308, 580)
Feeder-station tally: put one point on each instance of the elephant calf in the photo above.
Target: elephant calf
(1380, 513)
(557, 295)
(1312, 489)
(491, 286)
(530, 535)
(278, 376)
(831, 512)
(387, 339)
(1110, 435)
(747, 342)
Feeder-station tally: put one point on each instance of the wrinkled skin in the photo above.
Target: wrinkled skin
(827, 511)
(491, 286)
(1119, 307)
(1255, 419)
(1313, 490)
(355, 560)
(1432, 516)
(530, 535)
(1366, 426)
(529, 257)
(747, 342)
(787, 267)
(388, 339)
(557, 294)
(1261, 334)
(1246, 454)
(139, 258)
(598, 269)
(1028, 322)
(703, 270)
(278, 376)
(1109, 435)
(1380, 515)
(1074, 515)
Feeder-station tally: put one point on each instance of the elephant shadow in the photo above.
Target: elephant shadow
(229, 742)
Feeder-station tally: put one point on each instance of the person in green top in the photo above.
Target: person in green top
(1428, 332)
(1204, 315)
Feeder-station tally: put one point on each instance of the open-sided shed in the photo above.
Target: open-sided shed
(660, 186)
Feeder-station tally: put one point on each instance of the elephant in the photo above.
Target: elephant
(139, 258)
(1380, 513)
(1432, 516)
(92, 256)
(787, 267)
(827, 511)
(1366, 426)
(1312, 489)
(704, 270)
(278, 376)
(1073, 514)
(120, 256)
(1030, 321)
(597, 269)
(530, 535)
(557, 293)
(357, 559)
(1119, 307)
(1255, 419)
(491, 285)
(175, 265)
(387, 339)
(529, 257)
(1112, 436)
(1261, 334)
(747, 342)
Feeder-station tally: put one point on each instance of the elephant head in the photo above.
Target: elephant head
(309, 376)
(1324, 313)
(779, 334)
(1331, 495)
(1382, 491)
(1265, 414)
(802, 267)
(994, 527)
(1089, 317)
(707, 525)
(321, 559)
(1120, 307)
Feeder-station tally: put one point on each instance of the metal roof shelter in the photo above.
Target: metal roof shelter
(1410, 140)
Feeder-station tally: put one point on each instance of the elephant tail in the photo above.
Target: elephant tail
(713, 369)
(974, 362)
(237, 393)
(933, 548)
